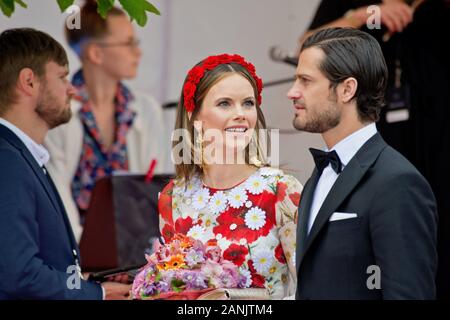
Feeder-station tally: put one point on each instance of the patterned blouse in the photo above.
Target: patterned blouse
(96, 161)
(254, 224)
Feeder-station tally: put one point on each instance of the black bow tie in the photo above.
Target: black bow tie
(323, 158)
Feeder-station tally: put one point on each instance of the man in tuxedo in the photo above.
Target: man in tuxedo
(38, 252)
(367, 219)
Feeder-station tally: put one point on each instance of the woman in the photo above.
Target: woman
(244, 205)
(113, 128)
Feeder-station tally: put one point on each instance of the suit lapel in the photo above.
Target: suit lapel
(303, 213)
(38, 171)
(15, 140)
(47, 184)
(344, 185)
(64, 213)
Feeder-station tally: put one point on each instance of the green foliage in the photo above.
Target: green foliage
(7, 6)
(64, 4)
(103, 6)
(136, 9)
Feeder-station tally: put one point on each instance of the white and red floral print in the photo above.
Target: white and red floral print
(254, 224)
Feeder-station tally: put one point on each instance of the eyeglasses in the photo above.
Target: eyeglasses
(131, 43)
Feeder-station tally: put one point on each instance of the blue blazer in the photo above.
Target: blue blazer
(36, 241)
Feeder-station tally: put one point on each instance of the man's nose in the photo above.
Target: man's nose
(71, 90)
(294, 92)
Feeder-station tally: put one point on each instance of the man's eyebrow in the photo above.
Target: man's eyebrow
(303, 76)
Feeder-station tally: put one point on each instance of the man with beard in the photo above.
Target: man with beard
(38, 252)
(367, 219)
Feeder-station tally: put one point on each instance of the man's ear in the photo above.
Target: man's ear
(347, 89)
(28, 82)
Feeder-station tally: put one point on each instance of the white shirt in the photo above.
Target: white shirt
(38, 151)
(346, 149)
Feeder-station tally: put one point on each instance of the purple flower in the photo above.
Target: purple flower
(242, 281)
(194, 257)
(162, 286)
(167, 276)
(194, 280)
(227, 280)
(149, 289)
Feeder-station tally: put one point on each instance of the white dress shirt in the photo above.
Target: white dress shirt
(346, 149)
(38, 151)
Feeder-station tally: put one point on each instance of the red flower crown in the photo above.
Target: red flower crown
(196, 74)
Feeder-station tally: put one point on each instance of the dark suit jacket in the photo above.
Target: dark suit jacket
(36, 240)
(396, 230)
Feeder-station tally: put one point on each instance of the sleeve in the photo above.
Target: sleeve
(288, 197)
(166, 225)
(59, 171)
(403, 228)
(328, 11)
(24, 273)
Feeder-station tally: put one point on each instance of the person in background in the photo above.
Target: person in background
(113, 128)
(38, 251)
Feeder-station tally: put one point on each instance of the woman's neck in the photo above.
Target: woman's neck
(101, 88)
(224, 176)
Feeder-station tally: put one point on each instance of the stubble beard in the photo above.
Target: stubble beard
(52, 113)
(319, 122)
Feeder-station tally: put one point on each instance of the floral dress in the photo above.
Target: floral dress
(254, 224)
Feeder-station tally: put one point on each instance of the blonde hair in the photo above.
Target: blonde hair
(187, 170)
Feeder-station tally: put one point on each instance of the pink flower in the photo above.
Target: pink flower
(214, 253)
(213, 272)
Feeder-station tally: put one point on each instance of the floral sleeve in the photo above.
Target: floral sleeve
(166, 225)
(288, 197)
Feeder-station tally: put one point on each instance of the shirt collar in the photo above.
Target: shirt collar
(348, 147)
(39, 153)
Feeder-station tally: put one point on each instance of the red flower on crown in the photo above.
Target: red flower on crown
(196, 74)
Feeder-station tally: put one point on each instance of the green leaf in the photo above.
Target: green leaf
(103, 6)
(137, 10)
(151, 8)
(21, 3)
(7, 7)
(64, 4)
(177, 285)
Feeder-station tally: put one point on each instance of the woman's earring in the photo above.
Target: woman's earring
(253, 153)
(198, 149)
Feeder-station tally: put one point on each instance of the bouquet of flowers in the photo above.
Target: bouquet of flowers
(185, 269)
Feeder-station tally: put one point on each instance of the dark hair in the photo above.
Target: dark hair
(353, 53)
(25, 48)
(93, 26)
